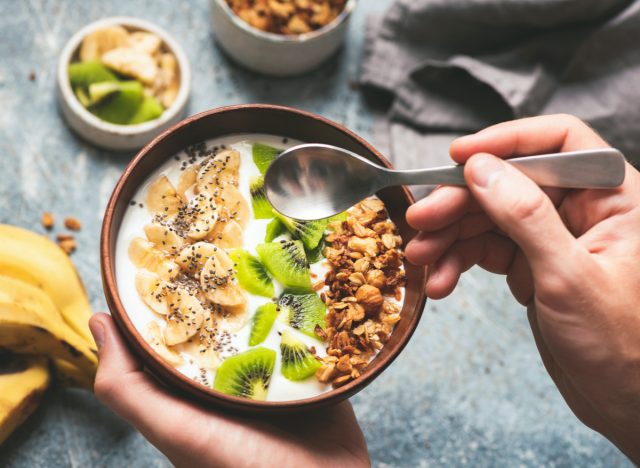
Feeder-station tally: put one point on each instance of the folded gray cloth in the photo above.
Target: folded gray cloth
(461, 65)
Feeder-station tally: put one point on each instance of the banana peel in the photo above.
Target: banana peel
(36, 260)
(69, 375)
(22, 383)
(30, 324)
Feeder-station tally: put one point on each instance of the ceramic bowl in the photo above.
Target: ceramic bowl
(243, 119)
(105, 134)
(275, 54)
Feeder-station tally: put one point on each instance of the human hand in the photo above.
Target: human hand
(572, 257)
(193, 436)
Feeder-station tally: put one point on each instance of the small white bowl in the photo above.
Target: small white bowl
(276, 54)
(106, 134)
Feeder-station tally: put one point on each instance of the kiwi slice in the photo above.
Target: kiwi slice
(304, 312)
(150, 109)
(246, 374)
(287, 263)
(83, 97)
(263, 155)
(275, 228)
(309, 232)
(102, 89)
(261, 206)
(123, 105)
(338, 217)
(297, 362)
(83, 74)
(262, 322)
(251, 274)
(315, 255)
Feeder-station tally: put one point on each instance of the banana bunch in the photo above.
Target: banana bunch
(44, 330)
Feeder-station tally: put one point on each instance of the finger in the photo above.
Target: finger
(520, 208)
(490, 251)
(535, 135)
(129, 392)
(427, 247)
(519, 279)
(442, 207)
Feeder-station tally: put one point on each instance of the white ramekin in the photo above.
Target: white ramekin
(106, 134)
(275, 54)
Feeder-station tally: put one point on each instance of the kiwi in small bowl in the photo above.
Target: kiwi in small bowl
(242, 381)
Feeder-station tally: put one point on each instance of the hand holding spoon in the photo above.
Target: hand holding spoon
(315, 181)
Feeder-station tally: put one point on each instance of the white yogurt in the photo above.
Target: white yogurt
(280, 389)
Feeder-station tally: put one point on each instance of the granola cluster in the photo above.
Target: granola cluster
(288, 17)
(363, 289)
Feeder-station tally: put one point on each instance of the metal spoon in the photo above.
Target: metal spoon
(315, 181)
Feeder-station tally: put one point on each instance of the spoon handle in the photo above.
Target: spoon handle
(598, 168)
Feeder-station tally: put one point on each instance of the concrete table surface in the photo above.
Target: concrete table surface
(470, 389)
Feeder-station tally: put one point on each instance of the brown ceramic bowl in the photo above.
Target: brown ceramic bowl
(266, 119)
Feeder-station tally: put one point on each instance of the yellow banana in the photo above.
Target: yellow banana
(22, 383)
(69, 375)
(36, 260)
(31, 324)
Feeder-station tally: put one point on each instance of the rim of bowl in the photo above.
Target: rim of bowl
(72, 46)
(280, 38)
(180, 381)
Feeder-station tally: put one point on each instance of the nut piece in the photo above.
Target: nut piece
(68, 244)
(376, 278)
(47, 220)
(367, 246)
(369, 297)
(72, 223)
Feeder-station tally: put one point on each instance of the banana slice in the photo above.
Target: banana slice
(218, 171)
(234, 205)
(202, 347)
(204, 213)
(153, 291)
(165, 238)
(162, 198)
(231, 319)
(131, 62)
(193, 257)
(226, 234)
(145, 42)
(218, 281)
(170, 79)
(143, 254)
(185, 317)
(153, 336)
(103, 40)
(187, 181)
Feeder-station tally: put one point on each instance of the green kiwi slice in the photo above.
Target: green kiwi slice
(150, 109)
(101, 90)
(83, 74)
(304, 312)
(309, 232)
(251, 274)
(287, 263)
(123, 105)
(297, 362)
(263, 155)
(262, 322)
(275, 228)
(261, 206)
(246, 374)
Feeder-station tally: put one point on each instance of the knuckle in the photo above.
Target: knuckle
(570, 120)
(528, 208)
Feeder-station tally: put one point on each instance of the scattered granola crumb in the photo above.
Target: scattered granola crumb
(67, 243)
(32, 76)
(72, 223)
(47, 220)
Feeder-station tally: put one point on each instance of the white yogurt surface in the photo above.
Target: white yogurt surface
(280, 389)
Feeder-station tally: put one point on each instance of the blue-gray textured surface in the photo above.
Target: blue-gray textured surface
(470, 389)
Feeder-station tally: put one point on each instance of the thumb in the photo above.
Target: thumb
(523, 211)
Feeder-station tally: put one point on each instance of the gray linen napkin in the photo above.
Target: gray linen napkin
(456, 66)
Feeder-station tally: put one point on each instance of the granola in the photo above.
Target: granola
(287, 17)
(362, 291)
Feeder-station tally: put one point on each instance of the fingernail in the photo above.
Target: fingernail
(486, 171)
(97, 330)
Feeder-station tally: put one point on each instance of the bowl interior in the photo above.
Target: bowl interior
(273, 37)
(70, 54)
(264, 119)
